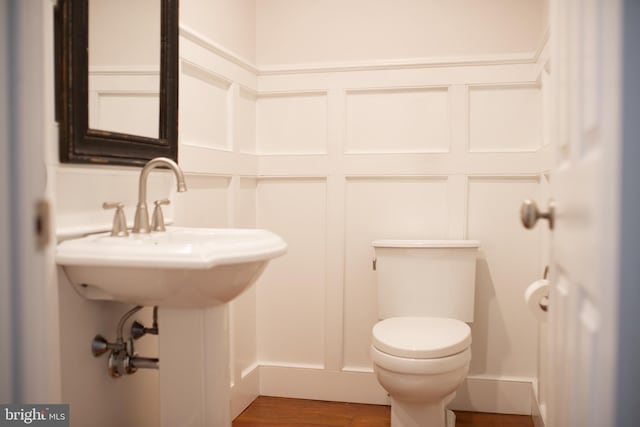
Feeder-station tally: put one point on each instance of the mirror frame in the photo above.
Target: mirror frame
(79, 143)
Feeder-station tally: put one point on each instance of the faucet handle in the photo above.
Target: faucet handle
(119, 228)
(157, 219)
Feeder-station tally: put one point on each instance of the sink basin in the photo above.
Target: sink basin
(180, 267)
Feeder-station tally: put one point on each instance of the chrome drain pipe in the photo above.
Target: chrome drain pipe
(139, 362)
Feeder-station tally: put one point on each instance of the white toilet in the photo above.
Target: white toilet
(421, 346)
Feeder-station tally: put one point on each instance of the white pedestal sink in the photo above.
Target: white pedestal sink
(179, 268)
(190, 273)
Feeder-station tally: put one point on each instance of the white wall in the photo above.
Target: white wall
(311, 31)
(231, 24)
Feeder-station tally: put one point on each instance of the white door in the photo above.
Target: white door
(6, 380)
(584, 185)
(29, 355)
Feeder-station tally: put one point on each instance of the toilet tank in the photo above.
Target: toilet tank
(433, 278)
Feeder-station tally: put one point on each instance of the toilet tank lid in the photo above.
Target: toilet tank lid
(398, 243)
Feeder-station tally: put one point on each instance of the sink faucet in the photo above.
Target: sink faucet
(141, 221)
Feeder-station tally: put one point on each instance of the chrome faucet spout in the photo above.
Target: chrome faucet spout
(141, 221)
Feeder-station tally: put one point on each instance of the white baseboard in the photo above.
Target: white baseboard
(538, 410)
(321, 384)
(481, 394)
(500, 395)
(245, 391)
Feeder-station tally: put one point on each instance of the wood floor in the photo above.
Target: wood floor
(283, 412)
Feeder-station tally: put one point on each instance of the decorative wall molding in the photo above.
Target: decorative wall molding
(383, 64)
(124, 70)
(203, 41)
(543, 44)
(290, 178)
(511, 85)
(291, 93)
(396, 177)
(202, 70)
(395, 64)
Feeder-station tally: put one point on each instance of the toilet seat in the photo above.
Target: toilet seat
(410, 366)
(421, 337)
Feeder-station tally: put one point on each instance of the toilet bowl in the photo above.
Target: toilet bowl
(420, 362)
(421, 346)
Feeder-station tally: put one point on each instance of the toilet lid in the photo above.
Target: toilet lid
(421, 337)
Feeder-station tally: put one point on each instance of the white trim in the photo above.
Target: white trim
(385, 64)
(319, 384)
(504, 395)
(245, 391)
(291, 93)
(124, 70)
(212, 75)
(500, 395)
(404, 63)
(204, 146)
(538, 410)
(202, 41)
(544, 41)
(290, 177)
(388, 177)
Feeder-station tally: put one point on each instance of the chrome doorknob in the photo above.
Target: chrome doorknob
(529, 214)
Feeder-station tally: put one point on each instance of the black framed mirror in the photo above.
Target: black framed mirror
(82, 139)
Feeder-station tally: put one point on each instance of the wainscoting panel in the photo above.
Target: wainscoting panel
(291, 291)
(505, 118)
(205, 119)
(292, 123)
(412, 120)
(504, 332)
